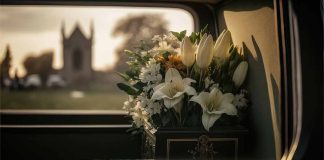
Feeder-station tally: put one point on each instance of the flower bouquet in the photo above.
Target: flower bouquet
(185, 81)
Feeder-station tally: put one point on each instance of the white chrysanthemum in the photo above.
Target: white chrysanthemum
(208, 82)
(164, 46)
(157, 38)
(144, 53)
(149, 105)
(239, 99)
(153, 107)
(139, 115)
(151, 73)
(172, 40)
(129, 104)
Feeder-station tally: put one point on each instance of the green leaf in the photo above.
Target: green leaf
(124, 76)
(228, 87)
(193, 37)
(204, 30)
(129, 52)
(166, 55)
(128, 89)
(176, 34)
(180, 35)
(139, 85)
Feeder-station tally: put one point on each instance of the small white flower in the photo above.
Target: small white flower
(239, 99)
(172, 40)
(156, 38)
(164, 46)
(139, 115)
(151, 72)
(144, 53)
(129, 104)
(208, 82)
(153, 107)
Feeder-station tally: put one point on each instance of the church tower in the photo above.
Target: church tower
(77, 55)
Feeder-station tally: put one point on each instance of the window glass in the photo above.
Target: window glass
(65, 57)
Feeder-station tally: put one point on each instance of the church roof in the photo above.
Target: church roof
(77, 32)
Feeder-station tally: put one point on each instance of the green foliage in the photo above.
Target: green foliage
(194, 37)
(179, 35)
(124, 76)
(166, 55)
(128, 89)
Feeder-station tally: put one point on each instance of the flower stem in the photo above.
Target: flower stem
(202, 74)
(188, 71)
(178, 107)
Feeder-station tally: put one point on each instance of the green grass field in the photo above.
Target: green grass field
(61, 99)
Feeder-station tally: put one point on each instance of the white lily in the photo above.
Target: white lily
(173, 89)
(187, 52)
(240, 73)
(214, 104)
(222, 44)
(205, 51)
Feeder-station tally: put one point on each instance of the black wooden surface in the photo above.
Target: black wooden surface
(68, 144)
(183, 140)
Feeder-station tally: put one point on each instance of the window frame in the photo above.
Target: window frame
(289, 48)
(10, 118)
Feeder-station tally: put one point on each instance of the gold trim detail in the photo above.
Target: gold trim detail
(196, 140)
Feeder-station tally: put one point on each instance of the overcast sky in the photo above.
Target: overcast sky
(37, 29)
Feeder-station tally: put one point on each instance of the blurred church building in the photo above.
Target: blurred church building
(77, 55)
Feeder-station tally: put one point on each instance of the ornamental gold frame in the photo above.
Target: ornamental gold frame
(236, 141)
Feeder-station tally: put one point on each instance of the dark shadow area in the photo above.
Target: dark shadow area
(262, 140)
(68, 144)
(276, 97)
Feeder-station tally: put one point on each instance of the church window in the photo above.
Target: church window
(77, 60)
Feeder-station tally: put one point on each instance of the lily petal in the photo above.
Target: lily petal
(178, 94)
(172, 75)
(190, 90)
(157, 95)
(158, 86)
(228, 108)
(208, 120)
(219, 38)
(201, 99)
(188, 81)
(228, 97)
(222, 45)
(169, 103)
(202, 41)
